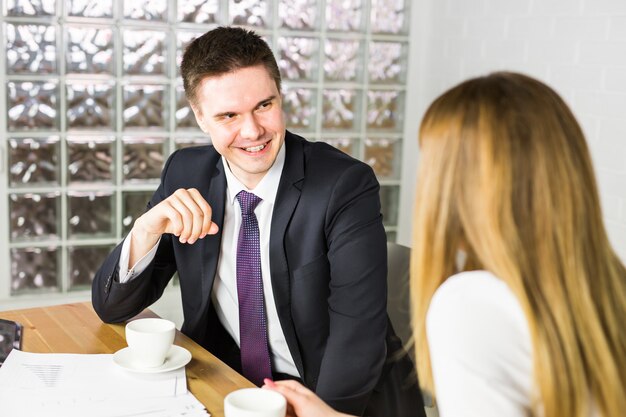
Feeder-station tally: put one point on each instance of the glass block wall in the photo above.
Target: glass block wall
(92, 104)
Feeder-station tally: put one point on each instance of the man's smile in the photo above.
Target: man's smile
(256, 149)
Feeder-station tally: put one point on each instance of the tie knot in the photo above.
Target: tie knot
(248, 202)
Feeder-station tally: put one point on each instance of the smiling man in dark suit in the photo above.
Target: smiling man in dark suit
(278, 242)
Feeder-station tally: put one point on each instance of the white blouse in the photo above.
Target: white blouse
(480, 348)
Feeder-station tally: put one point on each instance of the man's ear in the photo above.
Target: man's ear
(199, 117)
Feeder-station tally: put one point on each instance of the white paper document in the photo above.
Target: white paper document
(69, 385)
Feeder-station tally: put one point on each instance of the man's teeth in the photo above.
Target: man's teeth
(255, 148)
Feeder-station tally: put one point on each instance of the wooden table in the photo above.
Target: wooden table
(75, 328)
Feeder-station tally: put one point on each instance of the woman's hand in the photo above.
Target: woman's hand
(301, 401)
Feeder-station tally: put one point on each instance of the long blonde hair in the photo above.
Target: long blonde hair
(505, 174)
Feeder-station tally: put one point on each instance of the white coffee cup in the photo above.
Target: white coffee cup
(149, 341)
(255, 402)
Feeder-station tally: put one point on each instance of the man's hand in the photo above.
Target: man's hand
(185, 214)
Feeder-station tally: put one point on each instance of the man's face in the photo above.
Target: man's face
(241, 111)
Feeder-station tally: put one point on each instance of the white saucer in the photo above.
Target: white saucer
(177, 357)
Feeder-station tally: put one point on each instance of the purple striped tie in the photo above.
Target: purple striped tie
(255, 355)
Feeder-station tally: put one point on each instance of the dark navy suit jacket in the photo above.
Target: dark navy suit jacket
(328, 264)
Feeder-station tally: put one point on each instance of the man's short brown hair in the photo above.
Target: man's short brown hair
(223, 50)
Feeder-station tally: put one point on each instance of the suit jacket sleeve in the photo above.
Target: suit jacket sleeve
(115, 302)
(357, 305)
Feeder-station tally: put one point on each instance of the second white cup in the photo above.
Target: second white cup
(255, 402)
(149, 341)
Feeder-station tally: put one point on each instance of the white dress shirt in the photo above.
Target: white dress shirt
(224, 294)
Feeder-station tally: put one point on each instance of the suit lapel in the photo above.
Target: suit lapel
(215, 195)
(287, 198)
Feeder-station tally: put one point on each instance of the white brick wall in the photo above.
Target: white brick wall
(576, 46)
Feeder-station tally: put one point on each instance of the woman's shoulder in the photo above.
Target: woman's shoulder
(480, 311)
(480, 346)
(474, 287)
(475, 295)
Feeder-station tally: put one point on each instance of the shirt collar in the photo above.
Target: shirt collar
(266, 189)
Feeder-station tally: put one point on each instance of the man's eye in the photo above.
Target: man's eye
(228, 116)
(265, 105)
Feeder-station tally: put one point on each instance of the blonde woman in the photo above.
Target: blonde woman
(519, 301)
